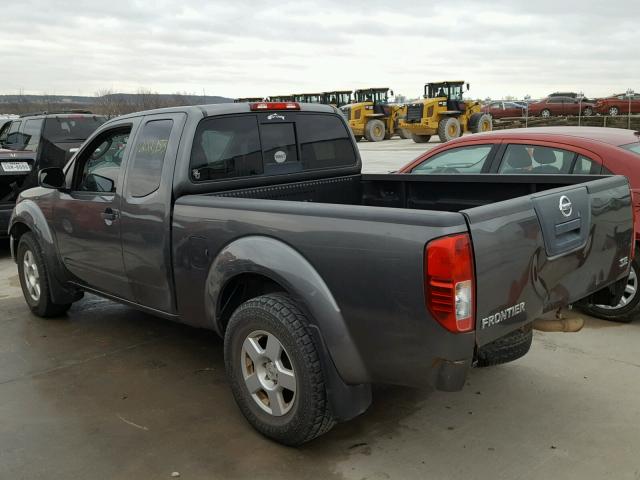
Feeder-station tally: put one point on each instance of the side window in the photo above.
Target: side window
(99, 166)
(148, 158)
(469, 159)
(555, 100)
(4, 131)
(586, 166)
(31, 134)
(527, 159)
(226, 148)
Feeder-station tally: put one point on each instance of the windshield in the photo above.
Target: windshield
(372, 96)
(439, 90)
(633, 147)
(71, 128)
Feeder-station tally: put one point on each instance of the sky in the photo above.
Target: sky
(262, 48)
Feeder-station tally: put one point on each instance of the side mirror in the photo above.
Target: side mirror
(52, 177)
(391, 93)
(467, 87)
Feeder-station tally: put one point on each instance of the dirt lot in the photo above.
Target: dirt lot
(111, 393)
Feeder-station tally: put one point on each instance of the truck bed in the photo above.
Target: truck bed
(451, 193)
(365, 235)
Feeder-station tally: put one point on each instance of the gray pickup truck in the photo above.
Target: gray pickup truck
(254, 220)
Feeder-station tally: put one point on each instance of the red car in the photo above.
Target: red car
(550, 150)
(618, 104)
(556, 105)
(501, 109)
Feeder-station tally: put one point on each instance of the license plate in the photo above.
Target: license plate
(16, 167)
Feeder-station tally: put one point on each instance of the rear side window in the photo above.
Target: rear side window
(241, 146)
(469, 159)
(148, 158)
(527, 159)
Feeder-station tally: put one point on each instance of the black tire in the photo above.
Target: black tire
(546, 113)
(42, 306)
(614, 111)
(587, 112)
(358, 137)
(506, 349)
(449, 128)
(480, 122)
(374, 130)
(420, 138)
(404, 133)
(626, 311)
(277, 315)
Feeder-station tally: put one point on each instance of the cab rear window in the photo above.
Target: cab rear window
(251, 145)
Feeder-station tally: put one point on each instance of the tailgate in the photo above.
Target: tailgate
(547, 250)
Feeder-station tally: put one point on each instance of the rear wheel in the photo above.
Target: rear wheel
(629, 306)
(449, 128)
(420, 138)
(480, 122)
(32, 271)
(374, 131)
(614, 111)
(506, 349)
(274, 369)
(546, 113)
(587, 112)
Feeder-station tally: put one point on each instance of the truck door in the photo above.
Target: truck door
(146, 211)
(87, 218)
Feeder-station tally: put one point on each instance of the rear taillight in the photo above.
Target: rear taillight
(275, 106)
(449, 282)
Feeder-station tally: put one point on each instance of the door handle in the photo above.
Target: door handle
(109, 215)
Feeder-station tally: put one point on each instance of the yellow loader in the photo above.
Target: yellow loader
(444, 112)
(371, 116)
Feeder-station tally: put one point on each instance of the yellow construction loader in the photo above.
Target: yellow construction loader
(444, 112)
(372, 116)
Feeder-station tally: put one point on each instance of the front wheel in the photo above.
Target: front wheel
(613, 111)
(449, 128)
(420, 138)
(629, 306)
(275, 372)
(404, 133)
(374, 130)
(32, 271)
(587, 112)
(545, 113)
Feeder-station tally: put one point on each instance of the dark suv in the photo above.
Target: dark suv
(35, 141)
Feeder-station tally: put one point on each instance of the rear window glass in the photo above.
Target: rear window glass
(632, 147)
(71, 129)
(248, 145)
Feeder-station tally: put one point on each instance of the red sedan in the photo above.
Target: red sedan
(618, 104)
(550, 150)
(555, 106)
(501, 109)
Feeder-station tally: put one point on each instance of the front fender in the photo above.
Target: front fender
(28, 214)
(280, 262)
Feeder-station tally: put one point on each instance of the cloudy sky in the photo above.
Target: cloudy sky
(261, 48)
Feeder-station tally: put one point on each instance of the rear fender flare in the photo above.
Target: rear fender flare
(281, 263)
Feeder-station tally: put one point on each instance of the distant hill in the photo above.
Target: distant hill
(109, 103)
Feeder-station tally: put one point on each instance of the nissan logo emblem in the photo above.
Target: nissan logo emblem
(565, 206)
